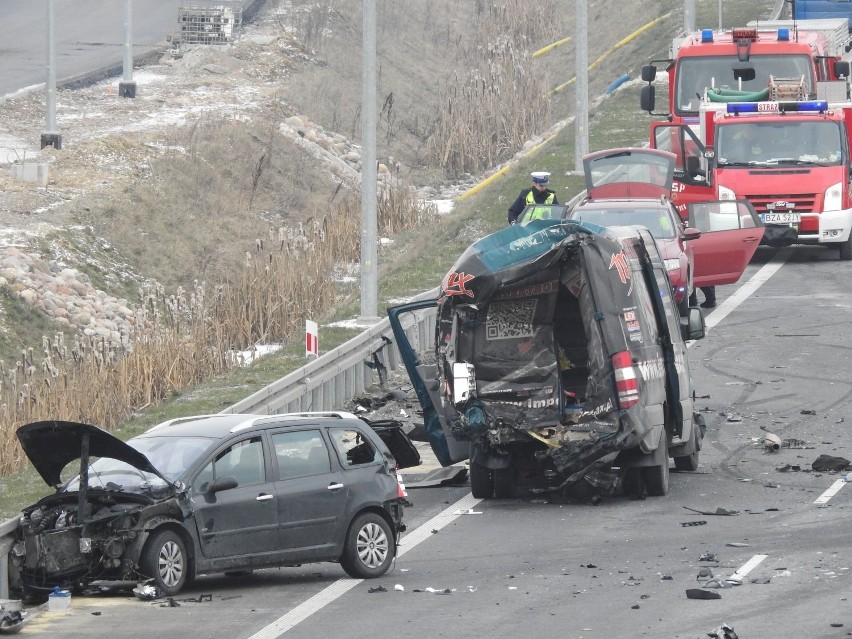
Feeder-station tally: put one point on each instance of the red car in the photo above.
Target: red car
(631, 187)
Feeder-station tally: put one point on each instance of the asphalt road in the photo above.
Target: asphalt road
(775, 357)
(88, 35)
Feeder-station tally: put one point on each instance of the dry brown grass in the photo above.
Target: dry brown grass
(181, 339)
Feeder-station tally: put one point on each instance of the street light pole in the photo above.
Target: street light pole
(581, 72)
(50, 137)
(127, 87)
(369, 231)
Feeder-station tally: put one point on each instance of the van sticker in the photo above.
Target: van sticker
(456, 284)
(629, 316)
(529, 291)
(619, 262)
(510, 319)
(636, 337)
(633, 326)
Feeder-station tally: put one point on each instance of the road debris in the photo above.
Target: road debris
(707, 556)
(449, 476)
(698, 593)
(377, 589)
(772, 442)
(718, 511)
(723, 632)
(827, 463)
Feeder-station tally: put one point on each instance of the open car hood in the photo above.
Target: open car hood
(52, 445)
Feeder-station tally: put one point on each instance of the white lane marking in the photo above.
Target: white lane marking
(831, 492)
(747, 567)
(749, 288)
(342, 586)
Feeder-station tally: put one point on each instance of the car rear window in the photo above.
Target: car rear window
(353, 447)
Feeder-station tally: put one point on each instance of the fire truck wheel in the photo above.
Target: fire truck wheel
(846, 249)
(481, 483)
(504, 482)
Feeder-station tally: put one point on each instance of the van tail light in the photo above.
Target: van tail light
(626, 383)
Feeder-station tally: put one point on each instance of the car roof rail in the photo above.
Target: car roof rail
(181, 420)
(339, 414)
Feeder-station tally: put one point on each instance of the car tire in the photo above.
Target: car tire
(370, 547)
(633, 483)
(690, 462)
(481, 481)
(504, 482)
(657, 477)
(846, 249)
(165, 560)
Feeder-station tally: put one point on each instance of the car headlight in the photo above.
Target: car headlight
(833, 198)
(726, 194)
(672, 264)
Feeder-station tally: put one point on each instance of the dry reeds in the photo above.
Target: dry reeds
(178, 340)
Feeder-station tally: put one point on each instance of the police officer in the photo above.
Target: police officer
(538, 193)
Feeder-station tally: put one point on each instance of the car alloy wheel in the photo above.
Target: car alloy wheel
(370, 547)
(165, 560)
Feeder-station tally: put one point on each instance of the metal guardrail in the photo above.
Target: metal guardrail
(340, 374)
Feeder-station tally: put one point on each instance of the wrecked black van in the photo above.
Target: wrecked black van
(559, 357)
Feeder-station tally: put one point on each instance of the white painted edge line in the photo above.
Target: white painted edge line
(830, 492)
(747, 567)
(749, 288)
(340, 587)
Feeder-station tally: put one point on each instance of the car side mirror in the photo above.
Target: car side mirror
(692, 326)
(649, 72)
(690, 233)
(222, 483)
(646, 98)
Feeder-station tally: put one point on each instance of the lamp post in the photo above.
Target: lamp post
(127, 87)
(50, 137)
(581, 72)
(369, 231)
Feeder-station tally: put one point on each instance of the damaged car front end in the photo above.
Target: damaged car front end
(93, 528)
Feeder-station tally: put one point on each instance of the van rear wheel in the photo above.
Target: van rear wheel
(657, 476)
(689, 462)
(481, 481)
(504, 482)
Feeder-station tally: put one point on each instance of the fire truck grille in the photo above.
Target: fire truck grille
(786, 203)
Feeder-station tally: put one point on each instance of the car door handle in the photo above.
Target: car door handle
(335, 486)
(749, 240)
(264, 497)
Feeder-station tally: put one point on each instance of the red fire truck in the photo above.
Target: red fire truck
(744, 59)
(789, 156)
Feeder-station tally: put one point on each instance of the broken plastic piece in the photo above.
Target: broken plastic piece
(737, 544)
(772, 442)
(698, 593)
(146, 592)
(707, 556)
(377, 589)
(700, 522)
(467, 511)
(723, 632)
(399, 588)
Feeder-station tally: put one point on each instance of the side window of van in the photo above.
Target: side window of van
(668, 303)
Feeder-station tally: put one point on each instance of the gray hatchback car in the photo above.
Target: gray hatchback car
(210, 494)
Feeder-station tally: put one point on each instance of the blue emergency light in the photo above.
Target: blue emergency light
(777, 107)
(783, 34)
(707, 35)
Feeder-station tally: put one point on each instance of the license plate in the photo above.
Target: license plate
(780, 218)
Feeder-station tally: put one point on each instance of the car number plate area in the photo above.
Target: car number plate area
(781, 218)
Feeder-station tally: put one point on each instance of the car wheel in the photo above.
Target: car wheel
(633, 483)
(504, 482)
(846, 249)
(657, 477)
(164, 558)
(689, 462)
(370, 547)
(481, 481)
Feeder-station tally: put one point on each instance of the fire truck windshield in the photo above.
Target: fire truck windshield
(814, 142)
(694, 74)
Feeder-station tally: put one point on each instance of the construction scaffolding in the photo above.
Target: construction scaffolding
(209, 23)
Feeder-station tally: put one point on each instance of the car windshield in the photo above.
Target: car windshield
(170, 455)
(811, 142)
(654, 219)
(694, 74)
